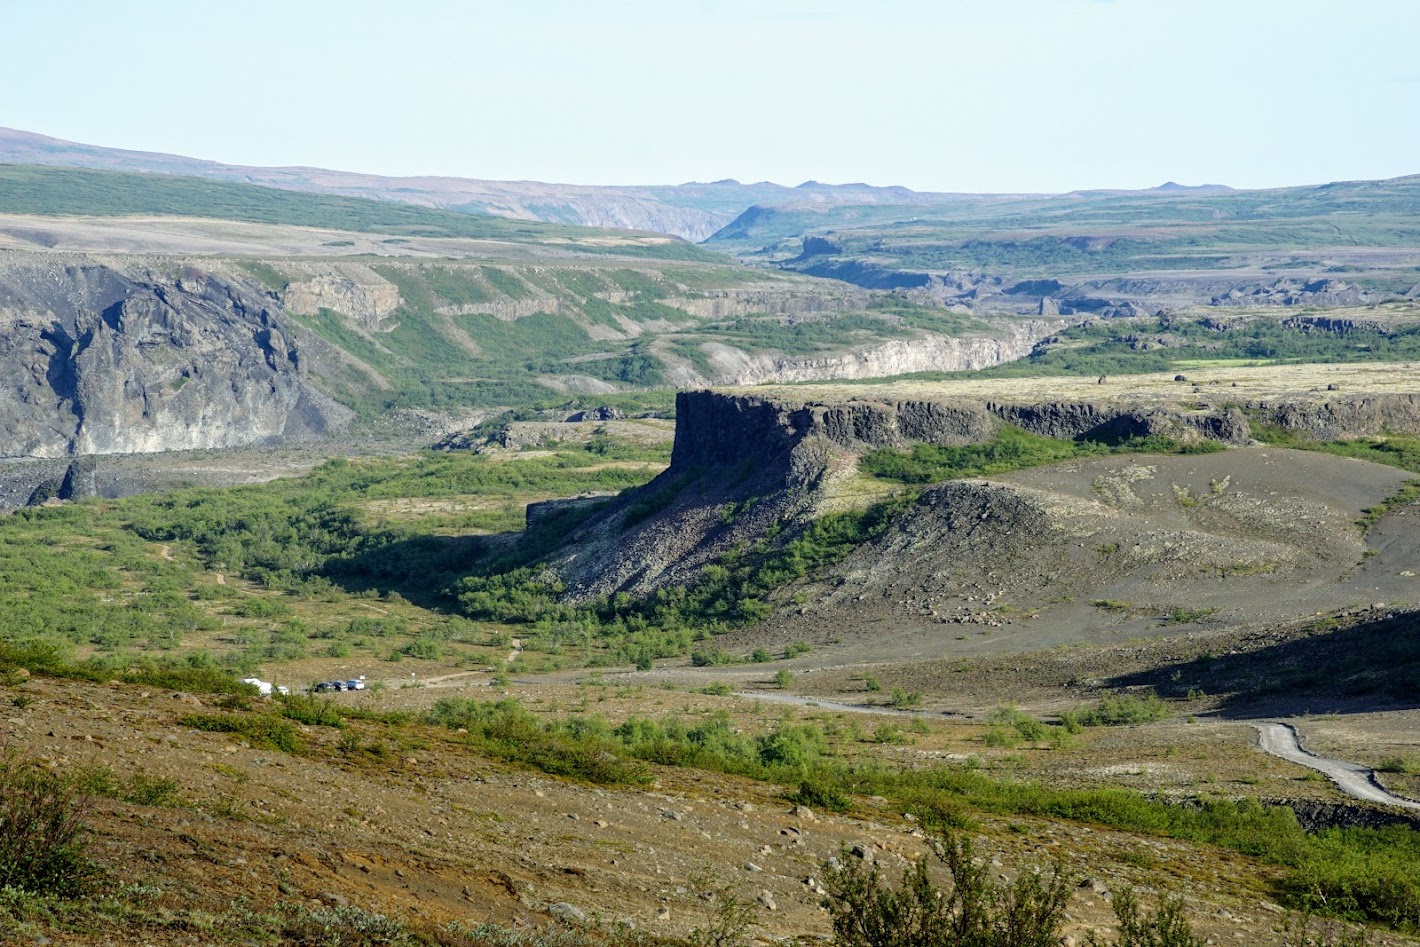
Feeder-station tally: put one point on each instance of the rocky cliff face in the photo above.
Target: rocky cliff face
(351, 289)
(106, 357)
(733, 304)
(725, 428)
(1289, 292)
(1009, 340)
(772, 460)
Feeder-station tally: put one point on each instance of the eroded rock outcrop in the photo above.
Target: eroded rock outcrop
(782, 301)
(746, 465)
(351, 289)
(1289, 292)
(114, 357)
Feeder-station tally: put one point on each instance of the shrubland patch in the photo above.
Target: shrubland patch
(1011, 449)
(44, 841)
(145, 587)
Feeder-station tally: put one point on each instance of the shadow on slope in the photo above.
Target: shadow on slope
(1365, 665)
(418, 568)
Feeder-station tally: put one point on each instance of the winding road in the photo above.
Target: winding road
(1280, 739)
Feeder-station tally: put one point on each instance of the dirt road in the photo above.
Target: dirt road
(804, 700)
(1280, 740)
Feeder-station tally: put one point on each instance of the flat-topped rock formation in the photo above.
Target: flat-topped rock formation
(1322, 402)
(775, 456)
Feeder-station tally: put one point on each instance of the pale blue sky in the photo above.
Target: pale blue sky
(972, 95)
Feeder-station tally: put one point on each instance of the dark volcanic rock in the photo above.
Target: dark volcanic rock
(79, 480)
(1341, 417)
(103, 357)
(746, 467)
(1290, 292)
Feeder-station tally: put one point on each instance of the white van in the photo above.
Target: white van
(266, 688)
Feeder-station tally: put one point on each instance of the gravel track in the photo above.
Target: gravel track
(1281, 740)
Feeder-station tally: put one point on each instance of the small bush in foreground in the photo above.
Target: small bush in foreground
(352, 926)
(974, 911)
(43, 840)
(311, 710)
(1167, 926)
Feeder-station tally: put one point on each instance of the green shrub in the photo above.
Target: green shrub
(260, 730)
(1011, 449)
(791, 746)
(1024, 724)
(195, 673)
(505, 729)
(311, 710)
(1178, 615)
(974, 911)
(1362, 875)
(902, 699)
(820, 793)
(889, 733)
(1001, 738)
(147, 790)
(43, 839)
(1166, 926)
(425, 647)
(349, 926)
(140, 789)
(1122, 710)
(713, 656)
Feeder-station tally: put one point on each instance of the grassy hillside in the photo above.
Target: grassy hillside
(346, 564)
(31, 189)
(1092, 232)
(1177, 343)
(477, 334)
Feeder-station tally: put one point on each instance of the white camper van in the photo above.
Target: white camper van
(265, 688)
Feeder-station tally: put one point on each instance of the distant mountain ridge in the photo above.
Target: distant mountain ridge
(692, 211)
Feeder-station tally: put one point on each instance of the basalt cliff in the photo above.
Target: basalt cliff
(104, 356)
(756, 465)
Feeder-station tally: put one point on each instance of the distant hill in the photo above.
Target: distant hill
(692, 211)
(1343, 243)
(58, 191)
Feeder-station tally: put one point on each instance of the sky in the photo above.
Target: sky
(953, 95)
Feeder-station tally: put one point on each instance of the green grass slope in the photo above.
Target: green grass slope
(49, 191)
(1091, 232)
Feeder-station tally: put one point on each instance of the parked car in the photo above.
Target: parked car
(324, 686)
(356, 684)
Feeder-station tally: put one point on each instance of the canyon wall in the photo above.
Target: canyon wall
(115, 356)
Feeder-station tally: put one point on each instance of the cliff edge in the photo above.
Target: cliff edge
(104, 356)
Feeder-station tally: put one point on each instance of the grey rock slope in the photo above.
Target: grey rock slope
(115, 356)
(751, 466)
